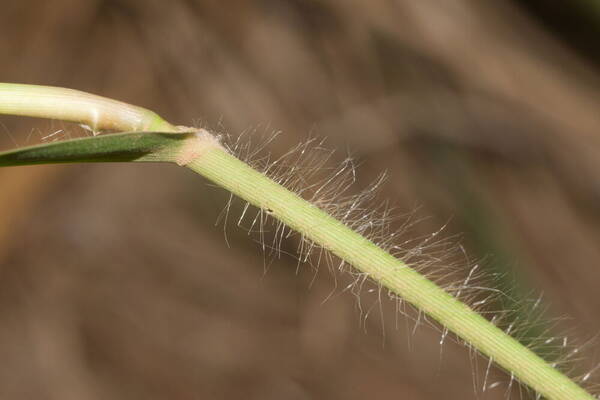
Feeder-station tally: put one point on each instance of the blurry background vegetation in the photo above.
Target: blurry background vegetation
(115, 282)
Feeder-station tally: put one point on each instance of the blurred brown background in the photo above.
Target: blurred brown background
(115, 281)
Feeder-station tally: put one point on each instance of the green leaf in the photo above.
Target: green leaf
(121, 147)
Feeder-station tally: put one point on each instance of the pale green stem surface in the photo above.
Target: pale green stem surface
(236, 176)
(201, 153)
(98, 113)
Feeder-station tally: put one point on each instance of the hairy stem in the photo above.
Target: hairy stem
(234, 175)
(201, 152)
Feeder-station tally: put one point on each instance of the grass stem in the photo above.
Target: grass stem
(234, 175)
(96, 112)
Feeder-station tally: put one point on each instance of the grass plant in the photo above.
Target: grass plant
(146, 137)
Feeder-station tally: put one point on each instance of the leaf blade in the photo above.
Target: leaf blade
(120, 147)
